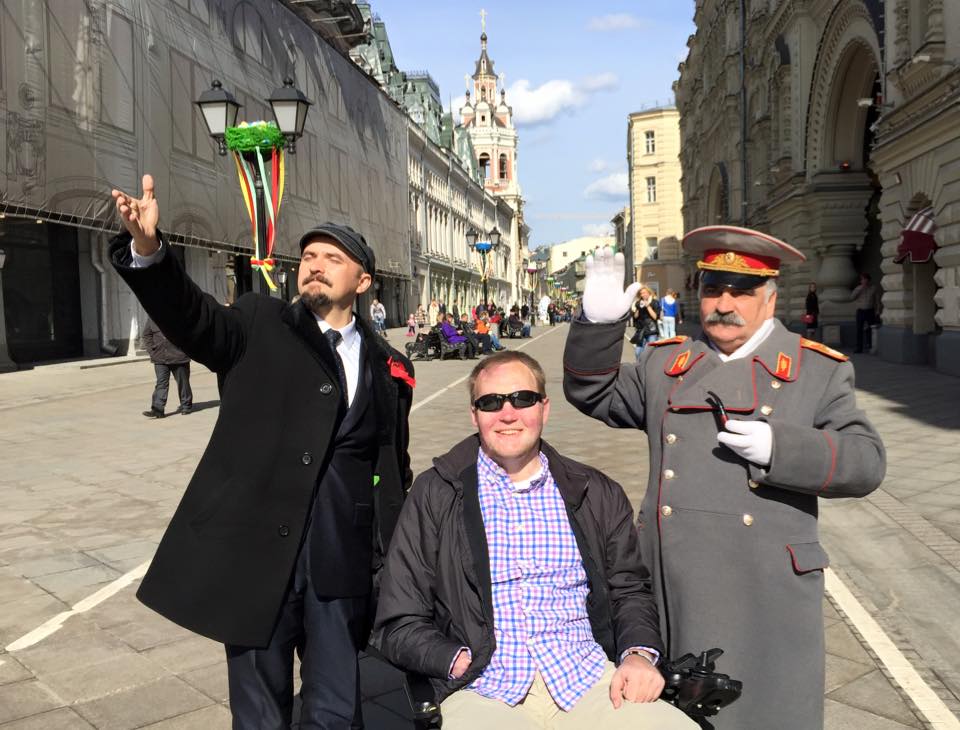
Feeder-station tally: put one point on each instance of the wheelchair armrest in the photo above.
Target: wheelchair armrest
(423, 701)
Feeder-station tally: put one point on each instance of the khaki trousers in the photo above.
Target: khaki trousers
(465, 710)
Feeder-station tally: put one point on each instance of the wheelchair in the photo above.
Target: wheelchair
(692, 684)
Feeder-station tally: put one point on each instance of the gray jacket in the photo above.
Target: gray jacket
(734, 548)
(160, 349)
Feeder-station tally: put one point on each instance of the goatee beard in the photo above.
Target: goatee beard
(315, 302)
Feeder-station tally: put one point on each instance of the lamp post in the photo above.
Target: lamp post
(533, 268)
(219, 110)
(483, 248)
(6, 362)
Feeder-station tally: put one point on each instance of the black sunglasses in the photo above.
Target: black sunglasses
(492, 402)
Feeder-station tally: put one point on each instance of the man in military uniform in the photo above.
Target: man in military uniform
(748, 424)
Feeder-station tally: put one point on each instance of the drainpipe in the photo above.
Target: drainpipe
(97, 262)
(743, 115)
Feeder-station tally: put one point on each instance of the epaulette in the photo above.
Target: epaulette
(671, 341)
(823, 349)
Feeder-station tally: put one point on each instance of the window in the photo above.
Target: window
(651, 142)
(485, 166)
(195, 7)
(116, 74)
(651, 190)
(187, 81)
(503, 167)
(651, 242)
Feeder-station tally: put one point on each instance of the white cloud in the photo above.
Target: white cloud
(600, 82)
(534, 105)
(598, 165)
(614, 22)
(612, 187)
(598, 229)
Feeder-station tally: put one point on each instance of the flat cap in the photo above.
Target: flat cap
(738, 257)
(352, 242)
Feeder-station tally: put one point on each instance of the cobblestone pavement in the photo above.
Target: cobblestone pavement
(88, 486)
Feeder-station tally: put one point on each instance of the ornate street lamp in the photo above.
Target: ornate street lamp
(219, 110)
(290, 108)
(483, 248)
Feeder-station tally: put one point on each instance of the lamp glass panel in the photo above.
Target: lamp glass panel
(215, 115)
(285, 113)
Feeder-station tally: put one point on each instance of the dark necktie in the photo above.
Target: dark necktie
(334, 337)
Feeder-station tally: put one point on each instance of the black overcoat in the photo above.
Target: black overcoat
(224, 564)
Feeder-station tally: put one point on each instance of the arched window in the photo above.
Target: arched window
(485, 166)
(503, 167)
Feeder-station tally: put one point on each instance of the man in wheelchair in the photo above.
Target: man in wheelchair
(514, 580)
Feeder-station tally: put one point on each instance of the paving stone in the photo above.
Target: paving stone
(74, 585)
(841, 671)
(839, 716)
(187, 654)
(61, 719)
(71, 652)
(54, 564)
(215, 717)
(20, 617)
(23, 699)
(212, 681)
(12, 671)
(89, 682)
(149, 703)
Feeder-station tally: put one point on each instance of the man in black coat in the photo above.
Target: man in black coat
(281, 531)
(167, 359)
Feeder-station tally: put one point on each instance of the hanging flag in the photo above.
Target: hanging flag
(917, 241)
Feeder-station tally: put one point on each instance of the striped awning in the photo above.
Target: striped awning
(917, 241)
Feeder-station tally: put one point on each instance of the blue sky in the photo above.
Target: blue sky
(574, 71)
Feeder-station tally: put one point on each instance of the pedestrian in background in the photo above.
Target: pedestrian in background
(867, 298)
(811, 314)
(432, 311)
(411, 325)
(669, 313)
(421, 317)
(167, 358)
(645, 312)
(378, 314)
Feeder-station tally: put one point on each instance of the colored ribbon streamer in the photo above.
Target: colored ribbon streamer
(262, 259)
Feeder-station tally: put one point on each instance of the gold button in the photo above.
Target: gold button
(766, 410)
(671, 438)
(666, 510)
(776, 385)
(668, 474)
(748, 520)
(753, 483)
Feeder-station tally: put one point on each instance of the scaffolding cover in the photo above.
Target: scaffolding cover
(94, 94)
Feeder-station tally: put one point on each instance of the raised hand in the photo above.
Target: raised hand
(140, 217)
(604, 299)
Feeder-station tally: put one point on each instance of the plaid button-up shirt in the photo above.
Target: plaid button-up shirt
(539, 591)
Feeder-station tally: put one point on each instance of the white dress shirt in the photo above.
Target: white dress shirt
(348, 348)
(747, 347)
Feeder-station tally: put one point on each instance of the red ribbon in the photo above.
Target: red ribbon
(397, 370)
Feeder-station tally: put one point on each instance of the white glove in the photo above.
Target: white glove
(604, 299)
(752, 440)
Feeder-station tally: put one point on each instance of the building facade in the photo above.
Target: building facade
(831, 124)
(566, 252)
(94, 94)
(656, 199)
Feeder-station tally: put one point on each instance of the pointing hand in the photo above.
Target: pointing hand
(140, 217)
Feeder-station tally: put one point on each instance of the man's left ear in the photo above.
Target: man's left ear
(365, 281)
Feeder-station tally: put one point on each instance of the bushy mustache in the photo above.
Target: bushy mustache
(726, 318)
(317, 277)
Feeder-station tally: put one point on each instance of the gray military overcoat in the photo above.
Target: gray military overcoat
(733, 548)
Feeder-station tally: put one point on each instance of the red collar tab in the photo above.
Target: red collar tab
(397, 370)
(784, 366)
(681, 363)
